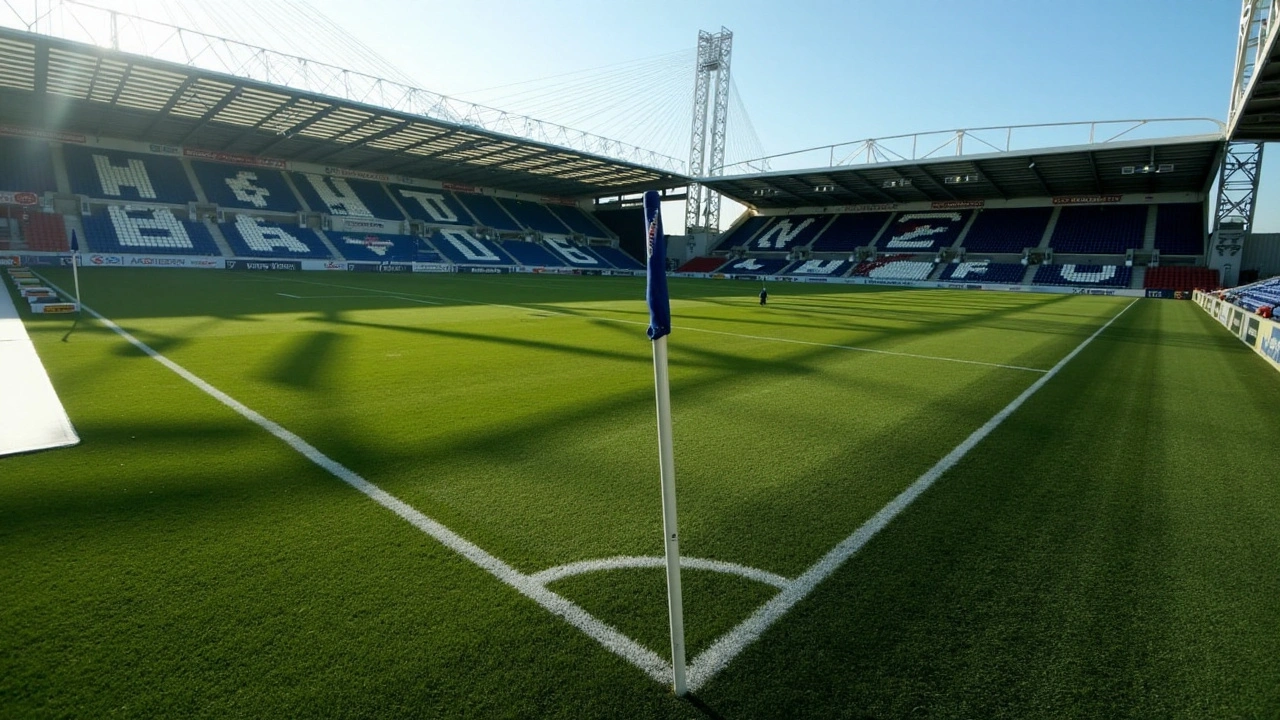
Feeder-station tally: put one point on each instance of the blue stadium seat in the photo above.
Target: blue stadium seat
(850, 231)
(488, 212)
(574, 255)
(617, 258)
(754, 266)
(146, 231)
(578, 221)
(1099, 229)
(435, 207)
(985, 271)
(1008, 230)
(923, 232)
(249, 188)
(120, 175)
(1112, 276)
(744, 232)
(534, 216)
(788, 232)
(376, 248)
(1180, 229)
(26, 166)
(820, 268)
(894, 267)
(254, 237)
(531, 254)
(346, 196)
(460, 246)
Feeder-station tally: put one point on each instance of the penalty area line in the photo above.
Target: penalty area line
(528, 585)
(721, 652)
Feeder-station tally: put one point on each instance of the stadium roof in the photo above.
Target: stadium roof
(55, 84)
(1180, 164)
(1258, 114)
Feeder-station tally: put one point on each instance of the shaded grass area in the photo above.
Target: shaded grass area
(1108, 552)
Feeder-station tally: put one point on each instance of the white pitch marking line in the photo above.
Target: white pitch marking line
(624, 562)
(608, 636)
(728, 646)
(331, 297)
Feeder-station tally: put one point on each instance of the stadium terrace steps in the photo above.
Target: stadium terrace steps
(26, 166)
(461, 247)
(1181, 278)
(534, 216)
(1099, 229)
(983, 271)
(923, 231)
(488, 213)
(254, 237)
(894, 267)
(1007, 230)
(701, 264)
(125, 176)
(147, 230)
(363, 247)
(617, 258)
(245, 188)
(1179, 229)
(219, 239)
(1109, 276)
(434, 207)
(201, 196)
(347, 197)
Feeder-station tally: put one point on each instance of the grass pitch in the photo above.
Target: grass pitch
(1108, 551)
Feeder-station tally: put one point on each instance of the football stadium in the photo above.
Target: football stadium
(323, 395)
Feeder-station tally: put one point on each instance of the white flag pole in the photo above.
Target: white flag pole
(75, 276)
(675, 604)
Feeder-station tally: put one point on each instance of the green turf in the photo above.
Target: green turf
(1108, 552)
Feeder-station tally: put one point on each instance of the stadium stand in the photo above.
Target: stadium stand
(985, 271)
(740, 235)
(461, 247)
(534, 216)
(254, 237)
(1113, 276)
(119, 175)
(435, 207)
(128, 229)
(617, 258)
(822, 268)
(1007, 230)
(26, 166)
(232, 186)
(1181, 278)
(488, 212)
(1180, 229)
(343, 196)
(850, 231)
(376, 248)
(1260, 296)
(701, 264)
(45, 232)
(788, 232)
(578, 221)
(574, 255)
(923, 232)
(1099, 229)
(530, 254)
(894, 267)
(755, 266)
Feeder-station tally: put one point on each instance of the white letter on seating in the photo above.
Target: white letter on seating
(114, 177)
(156, 228)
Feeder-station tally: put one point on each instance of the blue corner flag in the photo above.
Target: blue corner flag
(75, 242)
(656, 263)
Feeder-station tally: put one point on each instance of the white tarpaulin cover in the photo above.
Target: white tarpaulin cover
(31, 416)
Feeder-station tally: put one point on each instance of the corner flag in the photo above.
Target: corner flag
(75, 262)
(659, 329)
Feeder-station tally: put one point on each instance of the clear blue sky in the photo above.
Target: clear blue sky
(814, 72)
